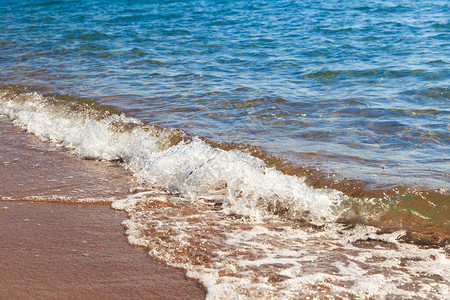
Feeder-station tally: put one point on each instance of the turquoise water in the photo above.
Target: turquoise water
(359, 91)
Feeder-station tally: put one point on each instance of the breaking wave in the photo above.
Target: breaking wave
(171, 160)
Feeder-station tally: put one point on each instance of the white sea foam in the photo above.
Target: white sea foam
(243, 183)
(238, 259)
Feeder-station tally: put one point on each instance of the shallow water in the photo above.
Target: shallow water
(238, 258)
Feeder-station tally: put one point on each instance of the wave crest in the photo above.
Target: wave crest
(170, 160)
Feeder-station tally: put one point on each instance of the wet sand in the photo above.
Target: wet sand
(70, 251)
(52, 250)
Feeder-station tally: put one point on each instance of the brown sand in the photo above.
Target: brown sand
(51, 250)
(69, 251)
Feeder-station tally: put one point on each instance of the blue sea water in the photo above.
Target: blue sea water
(358, 90)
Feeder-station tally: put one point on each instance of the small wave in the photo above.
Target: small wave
(45, 3)
(439, 25)
(439, 93)
(171, 160)
(334, 74)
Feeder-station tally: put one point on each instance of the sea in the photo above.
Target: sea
(287, 149)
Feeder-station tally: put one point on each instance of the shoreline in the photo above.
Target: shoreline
(59, 249)
(31, 169)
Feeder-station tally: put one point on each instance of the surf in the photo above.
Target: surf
(170, 160)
